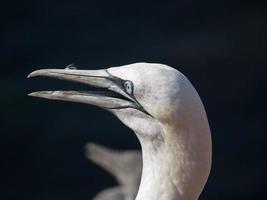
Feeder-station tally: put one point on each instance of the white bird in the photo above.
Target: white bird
(167, 115)
(125, 166)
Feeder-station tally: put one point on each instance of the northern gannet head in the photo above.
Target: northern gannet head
(164, 110)
(155, 92)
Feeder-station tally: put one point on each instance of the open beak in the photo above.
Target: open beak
(112, 95)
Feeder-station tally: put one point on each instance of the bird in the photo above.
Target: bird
(124, 165)
(165, 112)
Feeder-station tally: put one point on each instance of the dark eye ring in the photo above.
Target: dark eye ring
(128, 86)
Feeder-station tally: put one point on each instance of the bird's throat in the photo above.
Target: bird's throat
(174, 169)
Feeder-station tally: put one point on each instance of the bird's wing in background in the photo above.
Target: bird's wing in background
(114, 193)
(125, 166)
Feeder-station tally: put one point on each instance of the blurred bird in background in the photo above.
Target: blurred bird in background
(125, 166)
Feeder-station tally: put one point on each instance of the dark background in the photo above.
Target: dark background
(219, 45)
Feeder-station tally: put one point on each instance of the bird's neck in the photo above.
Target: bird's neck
(177, 167)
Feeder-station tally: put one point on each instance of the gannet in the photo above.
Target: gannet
(124, 165)
(165, 112)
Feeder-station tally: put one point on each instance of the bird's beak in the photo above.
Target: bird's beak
(112, 97)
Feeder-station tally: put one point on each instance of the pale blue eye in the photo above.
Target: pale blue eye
(128, 86)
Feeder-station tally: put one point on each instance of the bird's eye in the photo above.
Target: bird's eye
(128, 86)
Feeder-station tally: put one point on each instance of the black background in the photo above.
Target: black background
(219, 45)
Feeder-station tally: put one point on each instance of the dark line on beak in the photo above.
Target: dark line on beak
(84, 75)
(117, 81)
